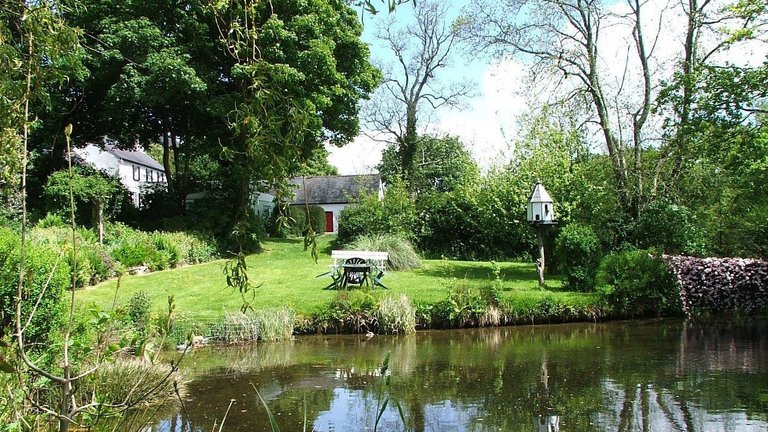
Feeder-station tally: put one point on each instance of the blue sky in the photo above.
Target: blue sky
(479, 124)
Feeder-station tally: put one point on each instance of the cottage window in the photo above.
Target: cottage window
(150, 176)
(136, 173)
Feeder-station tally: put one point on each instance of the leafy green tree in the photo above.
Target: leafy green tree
(89, 187)
(441, 165)
(394, 214)
(295, 72)
(39, 53)
(579, 250)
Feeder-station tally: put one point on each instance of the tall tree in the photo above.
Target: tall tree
(148, 61)
(421, 51)
(295, 72)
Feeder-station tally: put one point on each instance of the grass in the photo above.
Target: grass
(287, 277)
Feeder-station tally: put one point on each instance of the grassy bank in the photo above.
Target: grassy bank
(287, 277)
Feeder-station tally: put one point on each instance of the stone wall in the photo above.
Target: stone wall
(721, 284)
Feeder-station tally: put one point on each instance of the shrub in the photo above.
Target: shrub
(276, 324)
(47, 273)
(51, 220)
(402, 256)
(723, 285)
(578, 250)
(639, 284)
(189, 248)
(396, 315)
(349, 312)
(138, 311)
(395, 214)
(669, 227)
(463, 308)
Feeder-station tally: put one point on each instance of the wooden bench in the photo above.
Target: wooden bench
(357, 267)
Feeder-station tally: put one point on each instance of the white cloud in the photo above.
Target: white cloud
(488, 127)
(358, 157)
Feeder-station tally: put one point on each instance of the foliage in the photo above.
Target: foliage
(93, 188)
(463, 307)
(236, 327)
(349, 312)
(670, 228)
(298, 218)
(275, 324)
(36, 44)
(442, 164)
(423, 47)
(139, 307)
(45, 282)
(396, 315)
(579, 254)
(639, 284)
(727, 285)
(133, 381)
(402, 256)
(395, 214)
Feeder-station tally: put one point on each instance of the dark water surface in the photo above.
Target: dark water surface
(631, 376)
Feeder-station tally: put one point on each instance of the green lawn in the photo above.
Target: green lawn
(287, 276)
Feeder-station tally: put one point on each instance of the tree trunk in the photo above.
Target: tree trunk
(167, 163)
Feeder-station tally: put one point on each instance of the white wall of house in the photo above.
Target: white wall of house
(134, 176)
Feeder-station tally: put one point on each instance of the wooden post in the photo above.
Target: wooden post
(540, 263)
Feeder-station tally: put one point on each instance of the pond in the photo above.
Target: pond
(656, 376)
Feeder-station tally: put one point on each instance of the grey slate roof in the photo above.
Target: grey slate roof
(334, 189)
(136, 156)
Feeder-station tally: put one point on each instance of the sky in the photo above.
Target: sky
(488, 123)
(484, 124)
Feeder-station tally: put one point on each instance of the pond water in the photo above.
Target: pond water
(625, 376)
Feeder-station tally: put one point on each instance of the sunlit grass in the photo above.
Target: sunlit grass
(286, 276)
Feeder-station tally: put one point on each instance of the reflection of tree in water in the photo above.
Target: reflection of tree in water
(659, 376)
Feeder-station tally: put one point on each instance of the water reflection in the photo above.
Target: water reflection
(638, 376)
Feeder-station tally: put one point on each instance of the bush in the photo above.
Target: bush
(578, 250)
(46, 272)
(395, 214)
(464, 307)
(670, 228)
(349, 312)
(139, 311)
(402, 256)
(396, 315)
(639, 284)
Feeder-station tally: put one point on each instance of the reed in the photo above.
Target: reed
(396, 315)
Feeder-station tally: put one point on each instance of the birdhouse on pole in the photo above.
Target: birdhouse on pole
(541, 208)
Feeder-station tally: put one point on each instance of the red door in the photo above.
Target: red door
(328, 222)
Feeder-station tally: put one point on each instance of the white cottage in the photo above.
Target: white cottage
(333, 193)
(136, 170)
